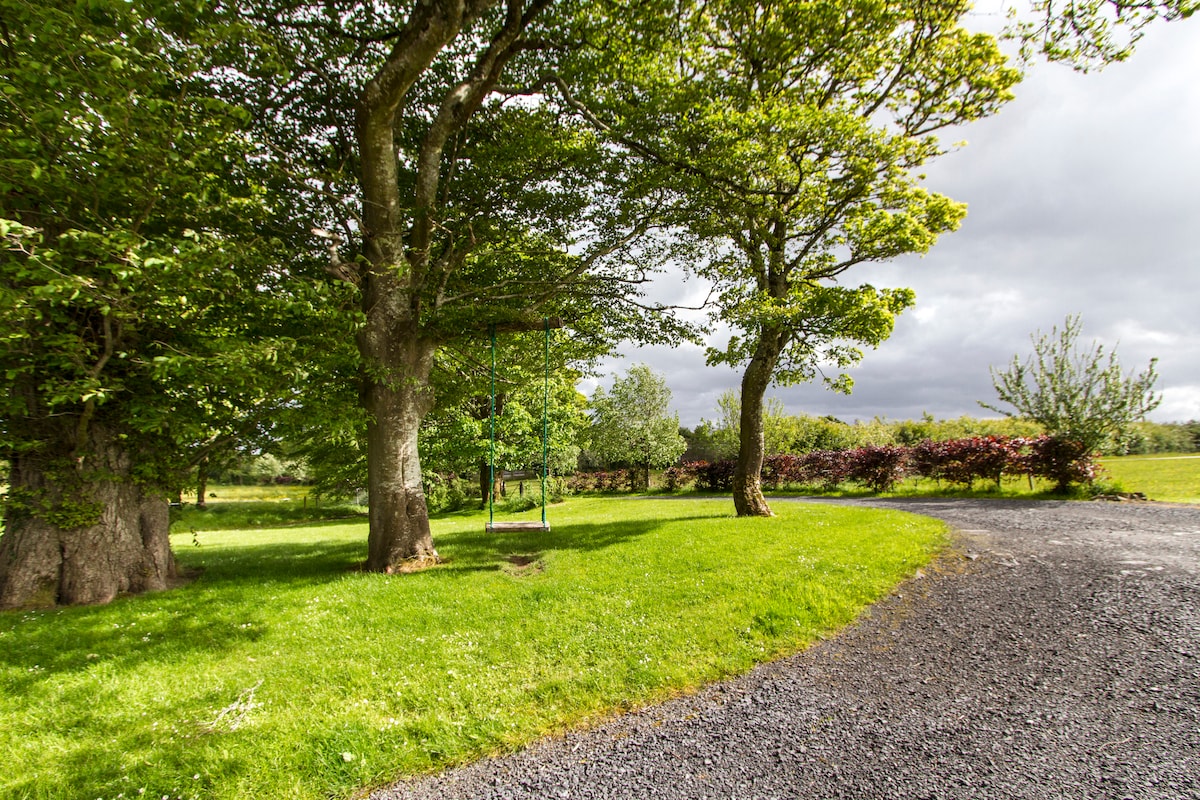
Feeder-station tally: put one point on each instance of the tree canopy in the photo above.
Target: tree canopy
(192, 197)
(147, 306)
(787, 136)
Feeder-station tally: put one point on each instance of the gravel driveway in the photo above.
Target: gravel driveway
(1053, 653)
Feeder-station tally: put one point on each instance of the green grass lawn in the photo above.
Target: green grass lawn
(1170, 478)
(284, 672)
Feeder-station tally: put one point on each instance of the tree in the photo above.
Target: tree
(146, 314)
(788, 134)
(632, 422)
(777, 425)
(1077, 394)
(460, 201)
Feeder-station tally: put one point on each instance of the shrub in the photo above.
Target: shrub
(963, 461)
(878, 467)
(827, 467)
(782, 469)
(577, 483)
(1064, 461)
(446, 492)
(680, 476)
(715, 476)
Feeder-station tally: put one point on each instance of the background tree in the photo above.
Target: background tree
(632, 422)
(1078, 394)
(146, 312)
(778, 428)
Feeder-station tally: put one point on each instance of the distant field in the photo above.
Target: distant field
(1170, 478)
(225, 493)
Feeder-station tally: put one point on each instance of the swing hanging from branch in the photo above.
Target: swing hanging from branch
(492, 525)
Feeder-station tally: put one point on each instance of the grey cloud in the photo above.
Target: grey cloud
(1083, 198)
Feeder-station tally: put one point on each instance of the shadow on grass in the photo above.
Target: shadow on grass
(231, 602)
(478, 549)
(226, 606)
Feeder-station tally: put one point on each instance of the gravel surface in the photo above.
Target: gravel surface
(1054, 652)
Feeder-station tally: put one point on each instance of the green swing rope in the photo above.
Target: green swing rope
(491, 491)
(545, 418)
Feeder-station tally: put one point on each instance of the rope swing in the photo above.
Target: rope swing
(492, 525)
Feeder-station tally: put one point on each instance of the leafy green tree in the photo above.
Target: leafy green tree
(789, 135)
(778, 428)
(1078, 394)
(632, 422)
(454, 195)
(147, 313)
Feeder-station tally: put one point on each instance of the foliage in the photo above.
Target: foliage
(703, 442)
(778, 427)
(716, 476)
(788, 139)
(1144, 438)
(455, 435)
(1075, 394)
(284, 671)
(151, 309)
(449, 492)
(1064, 461)
(879, 468)
(911, 432)
(619, 480)
(632, 422)
(1092, 33)
(963, 461)
(142, 286)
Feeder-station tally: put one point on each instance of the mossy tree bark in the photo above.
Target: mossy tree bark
(80, 529)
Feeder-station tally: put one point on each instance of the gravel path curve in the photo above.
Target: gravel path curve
(1054, 652)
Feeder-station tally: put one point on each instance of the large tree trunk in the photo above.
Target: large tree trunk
(398, 397)
(748, 498)
(84, 536)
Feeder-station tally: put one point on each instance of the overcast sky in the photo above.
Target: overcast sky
(1083, 198)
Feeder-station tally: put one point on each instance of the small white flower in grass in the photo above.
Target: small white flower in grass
(347, 757)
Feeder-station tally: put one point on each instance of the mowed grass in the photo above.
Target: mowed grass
(1170, 478)
(284, 672)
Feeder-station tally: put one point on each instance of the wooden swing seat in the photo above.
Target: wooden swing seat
(532, 525)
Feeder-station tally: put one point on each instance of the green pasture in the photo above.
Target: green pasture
(284, 671)
(1169, 478)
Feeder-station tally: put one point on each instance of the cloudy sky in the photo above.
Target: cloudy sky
(1084, 198)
